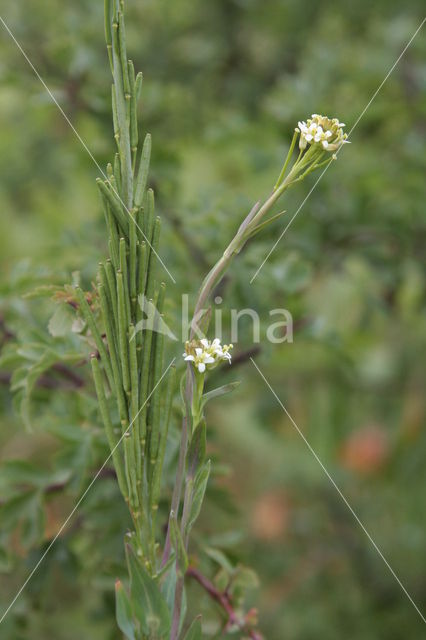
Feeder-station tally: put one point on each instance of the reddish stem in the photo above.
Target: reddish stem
(224, 600)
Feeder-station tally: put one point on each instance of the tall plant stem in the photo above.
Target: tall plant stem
(253, 222)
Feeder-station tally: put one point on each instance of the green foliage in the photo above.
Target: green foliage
(194, 631)
(150, 608)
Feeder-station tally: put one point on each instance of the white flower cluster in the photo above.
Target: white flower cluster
(323, 131)
(205, 354)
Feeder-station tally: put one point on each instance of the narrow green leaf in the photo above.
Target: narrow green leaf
(148, 603)
(123, 612)
(194, 632)
(197, 449)
(219, 391)
(179, 547)
(264, 224)
(199, 490)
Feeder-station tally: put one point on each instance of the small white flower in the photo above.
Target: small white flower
(205, 354)
(326, 132)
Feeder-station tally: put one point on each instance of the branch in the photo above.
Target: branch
(224, 600)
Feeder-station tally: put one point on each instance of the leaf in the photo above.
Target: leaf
(18, 473)
(60, 324)
(21, 472)
(186, 404)
(219, 391)
(169, 585)
(25, 509)
(16, 509)
(197, 449)
(148, 604)
(164, 569)
(221, 559)
(168, 589)
(245, 578)
(39, 358)
(200, 485)
(264, 224)
(194, 632)
(123, 612)
(178, 544)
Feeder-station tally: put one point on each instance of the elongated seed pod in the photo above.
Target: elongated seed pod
(123, 129)
(123, 54)
(140, 299)
(104, 283)
(156, 369)
(150, 277)
(165, 421)
(108, 35)
(150, 215)
(109, 171)
(141, 222)
(109, 430)
(88, 317)
(144, 378)
(113, 352)
(112, 286)
(113, 233)
(115, 118)
(133, 262)
(134, 400)
(116, 206)
(122, 332)
(142, 177)
(130, 467)
(125, 272)
(138, 85)
(134, 136)
(117, 172)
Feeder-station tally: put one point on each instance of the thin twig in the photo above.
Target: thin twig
(224, 600)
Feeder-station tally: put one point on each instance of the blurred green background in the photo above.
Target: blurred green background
(225, 82)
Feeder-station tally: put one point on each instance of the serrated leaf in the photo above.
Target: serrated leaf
(123, 612)
(148, 604)
(194, 632)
